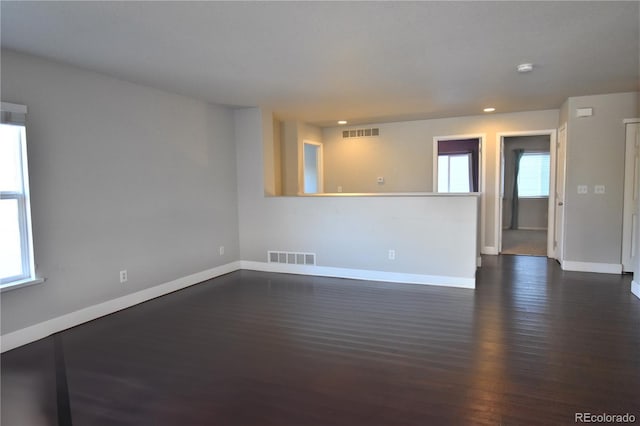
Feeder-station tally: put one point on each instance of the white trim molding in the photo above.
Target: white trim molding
(360, 274)
(46, 328)
(601, 268)
(635, 288)
(19, 284)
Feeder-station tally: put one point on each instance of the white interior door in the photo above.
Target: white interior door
(561, 155)
(630, 215)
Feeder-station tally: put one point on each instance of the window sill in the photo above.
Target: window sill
(22, 283)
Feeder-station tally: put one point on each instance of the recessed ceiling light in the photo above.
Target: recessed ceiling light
(489, 109)
(525, 67)
(342, 122)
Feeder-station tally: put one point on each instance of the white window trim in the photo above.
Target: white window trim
(24, 205)
(19, 284)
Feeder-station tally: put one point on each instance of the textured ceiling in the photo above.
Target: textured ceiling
(360, 61)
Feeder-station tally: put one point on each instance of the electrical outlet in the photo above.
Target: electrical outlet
(380, 180)
(339, 189)
(598, 189)
(392, 255)
(583, 189)
(221, 250)
(123, 276)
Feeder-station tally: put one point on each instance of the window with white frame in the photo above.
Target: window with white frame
(16, 248)
(454, 173)
(533, 175)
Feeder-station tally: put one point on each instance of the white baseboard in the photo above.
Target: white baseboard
(360, 274)
(489, 250)
(602, 268)
(46, 328)
(635, 288)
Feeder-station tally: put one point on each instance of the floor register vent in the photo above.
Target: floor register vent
(358, 133)
(291, 258)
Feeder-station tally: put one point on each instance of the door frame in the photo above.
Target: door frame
(319, 165)
(551, 209)
(482, 175)
(629, 226)
(559, 248)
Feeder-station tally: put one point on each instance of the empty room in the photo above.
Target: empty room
(319, 213)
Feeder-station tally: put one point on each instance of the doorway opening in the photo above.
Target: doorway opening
(312, 167)
(527, 201)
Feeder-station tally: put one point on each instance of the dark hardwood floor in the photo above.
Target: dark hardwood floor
(531, 345)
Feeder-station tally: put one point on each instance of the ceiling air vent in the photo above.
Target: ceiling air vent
(360, 133)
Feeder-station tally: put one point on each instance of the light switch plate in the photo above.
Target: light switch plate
(583, 189)
(598, 189)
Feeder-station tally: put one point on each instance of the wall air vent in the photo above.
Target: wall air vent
(359, 133)
(291, 258)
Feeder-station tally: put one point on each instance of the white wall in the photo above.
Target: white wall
(532, 213)
(122, 177)
(431, 235)
(403, 154)
(595, 156)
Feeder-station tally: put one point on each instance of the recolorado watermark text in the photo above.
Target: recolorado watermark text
(604, 418)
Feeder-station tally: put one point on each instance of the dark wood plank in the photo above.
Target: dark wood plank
(62, 390)
(531, 345)
(28, 385)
